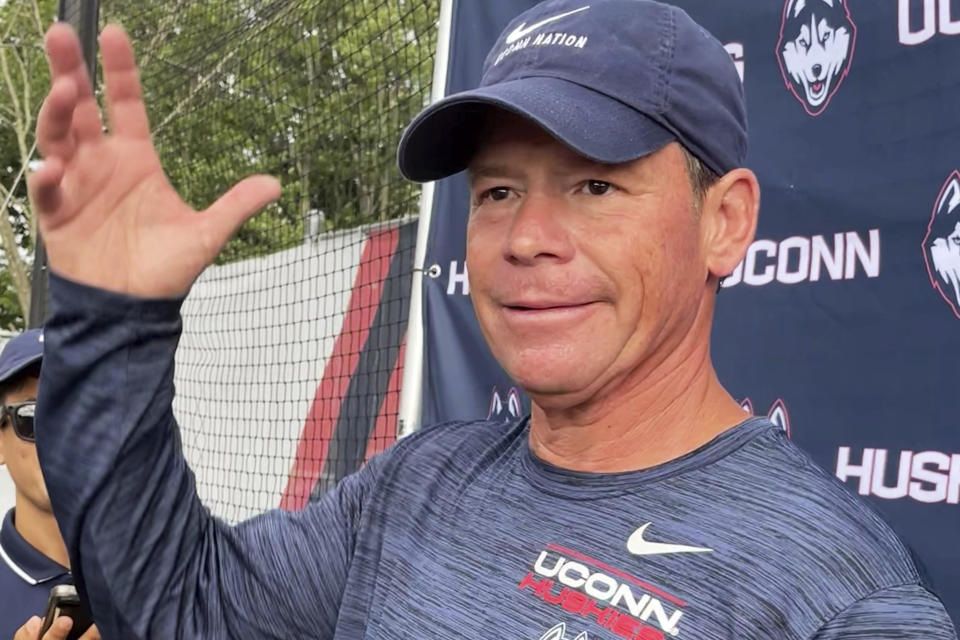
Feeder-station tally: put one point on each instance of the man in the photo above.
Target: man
(605, 151)
(34, 558)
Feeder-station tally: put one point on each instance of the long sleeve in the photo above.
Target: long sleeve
(150, 559)
(896, 613)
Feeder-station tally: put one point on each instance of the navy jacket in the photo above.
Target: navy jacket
(26, 577)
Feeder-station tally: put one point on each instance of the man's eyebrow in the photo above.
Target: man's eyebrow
(492, 171)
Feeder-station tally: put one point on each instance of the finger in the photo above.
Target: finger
(59, 629)
(91, 634)
(87, 123)
(66, 60)
(30, 629)
(43, 186)
(125, 108)
(65, 57)
(235, 207)
(55, 121)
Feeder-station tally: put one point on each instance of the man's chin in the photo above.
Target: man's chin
(556, 374)
(551, 391)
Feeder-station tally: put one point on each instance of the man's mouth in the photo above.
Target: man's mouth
(544, 305)
(547, 310)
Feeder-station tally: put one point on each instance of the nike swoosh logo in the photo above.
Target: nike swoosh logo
(639, 546)
(523, 29)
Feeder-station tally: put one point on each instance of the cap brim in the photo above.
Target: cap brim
(443, 138)
(18, 366)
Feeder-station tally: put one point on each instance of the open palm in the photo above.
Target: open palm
(108, 215)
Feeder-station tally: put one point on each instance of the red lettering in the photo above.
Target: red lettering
(574, 601)
(612, 620)
(649, 633)
(554, 599)
(603, 615)
(626, 627)
(540, 587)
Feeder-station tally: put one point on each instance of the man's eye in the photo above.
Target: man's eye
(597, 187)
(495, 194)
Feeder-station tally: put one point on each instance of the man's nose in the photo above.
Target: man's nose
(538, 232)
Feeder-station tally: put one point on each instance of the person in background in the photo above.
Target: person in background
(33, 558)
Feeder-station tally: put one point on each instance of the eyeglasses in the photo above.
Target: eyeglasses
(21, 417)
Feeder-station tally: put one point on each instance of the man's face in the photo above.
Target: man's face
(20, 456)
(581, 273)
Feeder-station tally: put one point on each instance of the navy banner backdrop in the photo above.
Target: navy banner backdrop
(843, 321)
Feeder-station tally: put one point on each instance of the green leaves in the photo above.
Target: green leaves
(315, 92)
(24, 80)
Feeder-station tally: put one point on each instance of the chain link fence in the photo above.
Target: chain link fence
(288, 371)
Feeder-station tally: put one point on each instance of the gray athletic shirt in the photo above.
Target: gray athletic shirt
(458, 531)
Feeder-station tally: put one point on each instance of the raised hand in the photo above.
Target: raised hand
(108, 215)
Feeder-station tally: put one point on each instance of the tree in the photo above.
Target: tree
(315, 92)
(24, 79)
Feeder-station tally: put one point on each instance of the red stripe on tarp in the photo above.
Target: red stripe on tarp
(385, 430)
(322, 418)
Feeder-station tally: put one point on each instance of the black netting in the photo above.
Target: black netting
(289, 369)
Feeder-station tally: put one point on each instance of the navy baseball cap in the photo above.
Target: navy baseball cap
(614, 80)
(21, 352)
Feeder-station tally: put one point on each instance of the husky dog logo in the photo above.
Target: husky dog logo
(815, 49)
(559, 632)
(505, 408)
(941, 245)
(777, 414)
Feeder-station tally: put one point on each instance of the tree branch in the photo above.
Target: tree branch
(15, 264)
(161, 30)
(13, 21)
(204, 81)
(36, 17)
(25, 126)
(11, 89)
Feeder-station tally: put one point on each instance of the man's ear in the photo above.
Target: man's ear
(3, 459)
(729, 221)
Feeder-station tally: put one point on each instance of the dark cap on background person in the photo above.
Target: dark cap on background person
(19, 354)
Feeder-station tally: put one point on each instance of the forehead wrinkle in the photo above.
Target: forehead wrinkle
(561, 162)
(492, 170)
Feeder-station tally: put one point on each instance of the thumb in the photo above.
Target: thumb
(221, 219)
(59, 629)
